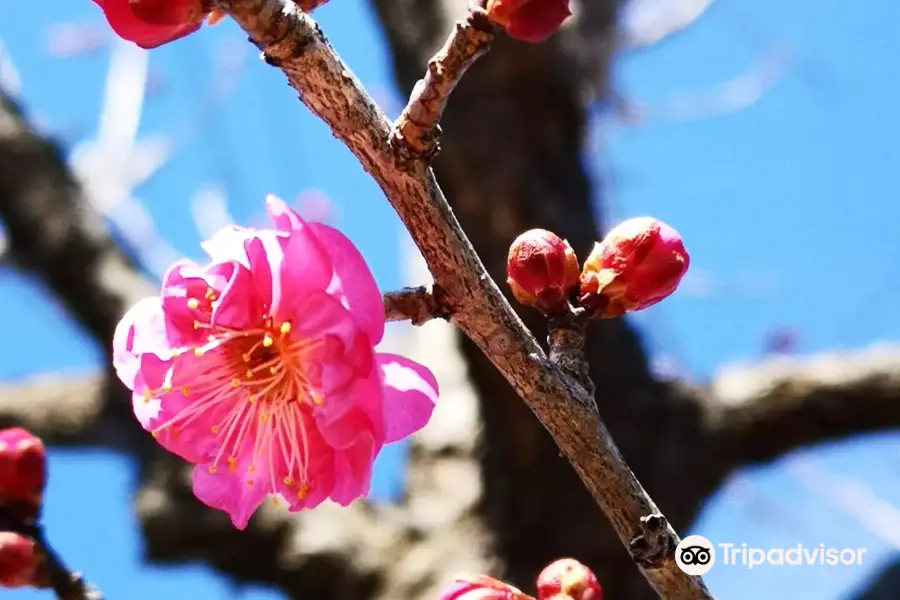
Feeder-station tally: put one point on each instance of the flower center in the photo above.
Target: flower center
(251, 390)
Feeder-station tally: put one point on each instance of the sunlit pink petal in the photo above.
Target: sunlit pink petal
(227, 245)
(240, 306)
(353, 471)
(230, 492)
(305, 264)
(410, 395)
(142, 330)
(356, 282)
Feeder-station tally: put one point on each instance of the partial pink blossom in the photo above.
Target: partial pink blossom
(567, 578)
(260, 368)
(152, 23)
(481, 587)
(529, 20)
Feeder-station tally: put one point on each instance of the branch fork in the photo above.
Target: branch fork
(416, 133)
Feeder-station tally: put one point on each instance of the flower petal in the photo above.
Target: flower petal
(141, 330)
(316, 315)
(410, 393)
(240, 306)
(232, 492)
(353, 470)
(227, 245)
(356, 282)
(303, 265)
(186, 282)
(146, 35)
(161, 412)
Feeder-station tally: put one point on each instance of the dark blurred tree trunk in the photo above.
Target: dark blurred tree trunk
(885, 587)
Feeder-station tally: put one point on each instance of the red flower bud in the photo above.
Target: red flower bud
(17, 560)
(23, 469)
(568, 578)
(541, 269)
(482, 587)
(638, 263)
(528, 20)
(152, 23)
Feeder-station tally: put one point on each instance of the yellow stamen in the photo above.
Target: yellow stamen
(193, 303)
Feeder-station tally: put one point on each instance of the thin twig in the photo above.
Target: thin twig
(416, 130)
(566, 338)
(51, 571)
(416, 305)
(68, 585)
(293, 42)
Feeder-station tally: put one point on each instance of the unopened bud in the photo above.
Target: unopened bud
(23, 468)
(152, 23)
(482, 587)
(17, 560)
(528, 20)
(568, 578)
(638, 263)
(541, 270)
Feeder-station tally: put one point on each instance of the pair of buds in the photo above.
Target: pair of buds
(638, 263)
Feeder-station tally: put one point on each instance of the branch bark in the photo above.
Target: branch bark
(416, 131)
(416, 305)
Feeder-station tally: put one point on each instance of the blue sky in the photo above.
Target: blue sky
(787, 208)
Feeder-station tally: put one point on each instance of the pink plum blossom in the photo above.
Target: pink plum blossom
(260, 368)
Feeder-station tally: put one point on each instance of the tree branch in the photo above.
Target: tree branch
(760, 412)
(292, 41)
(50, 571)
(416, 131)
(416, 305)
(66, 584)
(50, 232)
